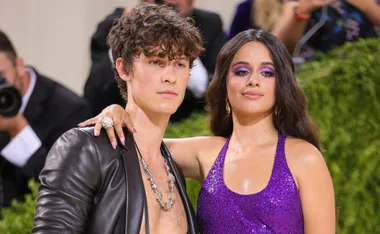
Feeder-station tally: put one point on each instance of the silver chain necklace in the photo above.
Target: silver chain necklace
(153, 185)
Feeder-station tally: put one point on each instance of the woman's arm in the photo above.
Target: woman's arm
(185, 151)
(68, 183)
(315, 188)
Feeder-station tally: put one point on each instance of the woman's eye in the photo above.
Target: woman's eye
(241, 73)
(267, 73)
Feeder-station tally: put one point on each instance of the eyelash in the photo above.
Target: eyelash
(264, 73)
(267, 73)
(181, 65)
(239, 73)
(155, 62)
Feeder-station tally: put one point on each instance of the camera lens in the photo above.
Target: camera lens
(10, 101)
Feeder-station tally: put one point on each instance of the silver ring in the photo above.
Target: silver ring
(107, 122)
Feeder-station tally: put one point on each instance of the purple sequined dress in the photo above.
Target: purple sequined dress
(275, 209)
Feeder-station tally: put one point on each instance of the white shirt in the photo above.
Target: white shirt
(26, 143)
(198, 80)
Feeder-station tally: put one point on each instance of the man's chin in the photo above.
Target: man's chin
(167, 109)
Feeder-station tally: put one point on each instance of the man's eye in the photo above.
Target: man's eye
(181, 65)
(154, 62)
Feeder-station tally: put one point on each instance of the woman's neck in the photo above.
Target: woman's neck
(248, 132)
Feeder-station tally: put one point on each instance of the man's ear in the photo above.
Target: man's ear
(20, 66)
(122, 70)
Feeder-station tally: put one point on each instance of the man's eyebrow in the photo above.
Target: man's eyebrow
(182, 58)
(157, 55)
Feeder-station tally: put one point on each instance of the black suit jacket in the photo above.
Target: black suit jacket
(214, 38)
(52, 110)
(88, 187)
(101, 89)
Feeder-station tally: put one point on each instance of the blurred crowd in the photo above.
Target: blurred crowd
(35, 110)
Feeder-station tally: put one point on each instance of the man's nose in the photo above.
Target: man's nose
(168, 75)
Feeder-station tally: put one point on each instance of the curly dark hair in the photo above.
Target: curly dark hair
(290, 116)
(6, 47)
(155, 30)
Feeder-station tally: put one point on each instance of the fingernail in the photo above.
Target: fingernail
(134, 129)
(114, 144)
(122, 140)
(79, 125)
(96, 133)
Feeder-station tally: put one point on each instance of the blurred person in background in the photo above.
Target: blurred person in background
(101, 89)
(35, 111)
(345, 21)
(257, 14)
(290, 20)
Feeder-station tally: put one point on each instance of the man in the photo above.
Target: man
(101, 90)
(87, 186)
(48, 110)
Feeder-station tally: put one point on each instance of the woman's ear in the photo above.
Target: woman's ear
(122, 70)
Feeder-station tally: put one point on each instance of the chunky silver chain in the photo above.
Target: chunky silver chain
(153, 185)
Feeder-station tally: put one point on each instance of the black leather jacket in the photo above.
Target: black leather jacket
(88, 187)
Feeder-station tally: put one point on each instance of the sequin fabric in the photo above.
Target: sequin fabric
(275, 209)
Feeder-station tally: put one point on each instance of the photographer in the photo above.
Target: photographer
(34, 112)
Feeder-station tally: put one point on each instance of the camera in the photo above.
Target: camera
(10, 98)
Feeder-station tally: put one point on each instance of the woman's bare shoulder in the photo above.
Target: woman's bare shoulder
(301, 150)
(303, 157)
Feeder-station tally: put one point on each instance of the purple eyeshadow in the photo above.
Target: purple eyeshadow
(240, 69)
(267, 69)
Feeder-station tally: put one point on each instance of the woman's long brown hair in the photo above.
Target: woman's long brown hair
(290, 116)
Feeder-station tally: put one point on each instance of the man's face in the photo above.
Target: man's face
(11, 70)
(184, 7)
(157, 85)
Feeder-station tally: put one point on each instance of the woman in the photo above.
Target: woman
(262, 171)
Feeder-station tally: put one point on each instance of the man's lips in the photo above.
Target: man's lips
(168, 93)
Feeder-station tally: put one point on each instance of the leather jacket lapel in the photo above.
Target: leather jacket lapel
(135, 193)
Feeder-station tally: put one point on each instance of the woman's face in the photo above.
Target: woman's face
(251, 81)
